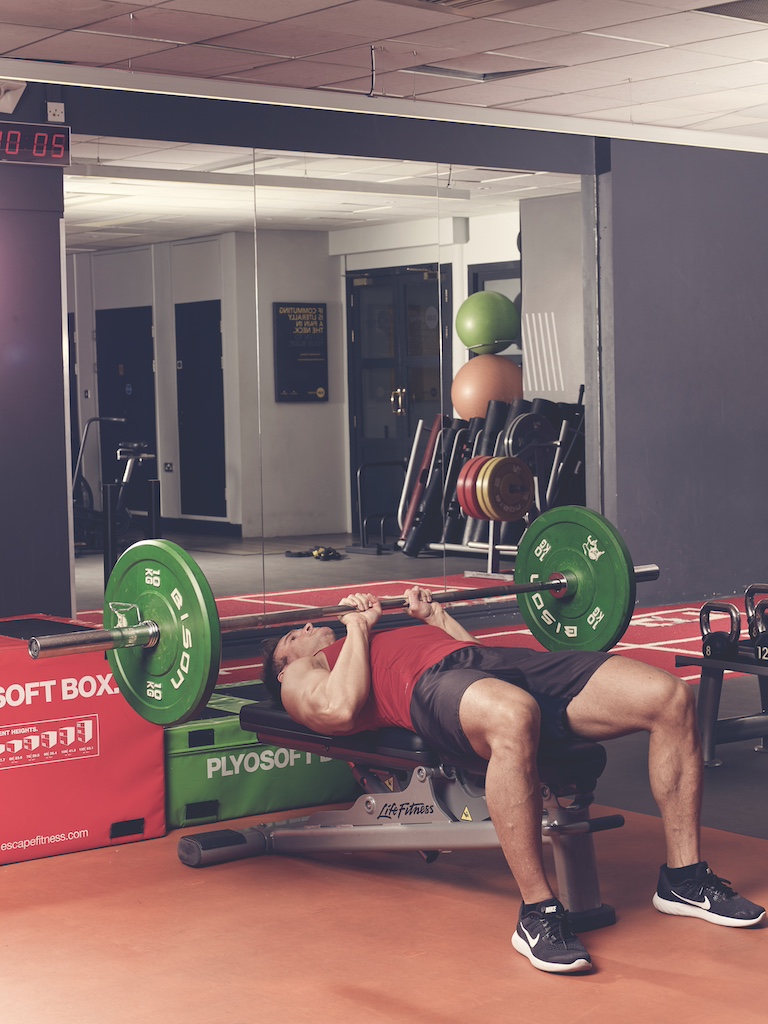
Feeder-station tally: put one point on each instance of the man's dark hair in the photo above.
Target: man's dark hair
(272, 668)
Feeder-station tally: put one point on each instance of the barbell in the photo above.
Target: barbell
(574, 582)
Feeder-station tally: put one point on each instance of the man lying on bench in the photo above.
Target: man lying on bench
(438, 680)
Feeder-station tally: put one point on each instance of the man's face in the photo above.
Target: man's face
(303, 642)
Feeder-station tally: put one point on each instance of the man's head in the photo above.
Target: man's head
(303, 642)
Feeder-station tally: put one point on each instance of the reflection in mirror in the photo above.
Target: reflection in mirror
(278, 329)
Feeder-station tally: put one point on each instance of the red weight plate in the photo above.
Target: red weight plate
(462, 490)
(460, 481)
(473, 509)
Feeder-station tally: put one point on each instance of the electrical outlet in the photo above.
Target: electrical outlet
(168, 467)
(55, 111)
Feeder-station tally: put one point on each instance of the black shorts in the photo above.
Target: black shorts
(553, 678)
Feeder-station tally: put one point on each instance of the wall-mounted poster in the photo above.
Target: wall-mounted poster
(301, 351)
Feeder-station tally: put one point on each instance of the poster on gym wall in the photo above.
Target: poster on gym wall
(301, 351)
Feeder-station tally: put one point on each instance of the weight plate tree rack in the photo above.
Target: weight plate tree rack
(575, 586)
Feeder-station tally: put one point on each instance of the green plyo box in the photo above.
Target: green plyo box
(215, 771)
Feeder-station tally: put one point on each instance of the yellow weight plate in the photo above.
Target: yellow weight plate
(481, 487)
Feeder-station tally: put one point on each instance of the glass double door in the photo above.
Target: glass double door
(399, 369)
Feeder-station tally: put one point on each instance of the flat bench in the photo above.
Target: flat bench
(416, 798)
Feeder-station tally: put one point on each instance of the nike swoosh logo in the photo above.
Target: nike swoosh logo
(704, 904)
(532, 942)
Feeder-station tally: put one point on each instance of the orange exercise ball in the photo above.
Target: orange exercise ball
(485, 379)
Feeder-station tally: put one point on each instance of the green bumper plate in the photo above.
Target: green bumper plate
(586, 548)
(157, 581)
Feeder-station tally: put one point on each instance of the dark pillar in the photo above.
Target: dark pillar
(35, 551)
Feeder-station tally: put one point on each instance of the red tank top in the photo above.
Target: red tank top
(398, 658)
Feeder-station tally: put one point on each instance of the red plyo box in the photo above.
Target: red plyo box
(79, 768)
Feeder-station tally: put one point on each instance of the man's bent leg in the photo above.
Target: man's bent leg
(624, 696)
(502, 724)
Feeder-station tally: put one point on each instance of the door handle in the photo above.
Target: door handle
(396, 401)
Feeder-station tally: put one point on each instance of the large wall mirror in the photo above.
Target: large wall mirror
(276, 328)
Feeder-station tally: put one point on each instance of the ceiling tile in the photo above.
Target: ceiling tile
(733, 76)
(576, 48)
(87, 47)
(197, 60)
(14, 36)
(304, 74)
(573, 79)
(653, 89)
(388, 55)
(570, 104)
(485, 94)
(394, 83)
(249, 10)
(753, 46)
(709, 123)
(285, 40)
(727, 99)
(377, 19)
(758, 111)
(660, 62)
(582, 16)
(758, 131)
(470, 36)
(677, 29)
(172, 26)
(107, 150)
(647, 113)
(55, 14)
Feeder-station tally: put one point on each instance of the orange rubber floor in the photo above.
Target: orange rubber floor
(128, 934)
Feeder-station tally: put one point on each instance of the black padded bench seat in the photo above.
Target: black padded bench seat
(564, 767)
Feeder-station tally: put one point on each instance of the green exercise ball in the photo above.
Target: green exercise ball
(487, 322)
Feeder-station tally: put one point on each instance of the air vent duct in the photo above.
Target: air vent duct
(744, 10)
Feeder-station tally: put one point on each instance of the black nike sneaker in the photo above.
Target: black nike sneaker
(706, 896)
(545, 936)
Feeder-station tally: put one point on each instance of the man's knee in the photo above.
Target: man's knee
(679, 702)
(671, 702)
(500, 719)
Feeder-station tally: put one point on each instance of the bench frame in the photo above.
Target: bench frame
(416, 800)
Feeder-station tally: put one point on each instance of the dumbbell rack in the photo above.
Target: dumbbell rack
(726, 652)
(716, 730)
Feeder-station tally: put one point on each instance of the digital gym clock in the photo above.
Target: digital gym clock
(42, 144)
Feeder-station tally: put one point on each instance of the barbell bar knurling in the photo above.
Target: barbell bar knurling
(147, 634)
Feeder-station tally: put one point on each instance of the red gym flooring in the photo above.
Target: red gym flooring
(129, 934)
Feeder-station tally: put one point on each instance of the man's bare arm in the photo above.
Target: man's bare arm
(421, 606)
(329, 700)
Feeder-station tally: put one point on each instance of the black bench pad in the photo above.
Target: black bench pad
(561, 765)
